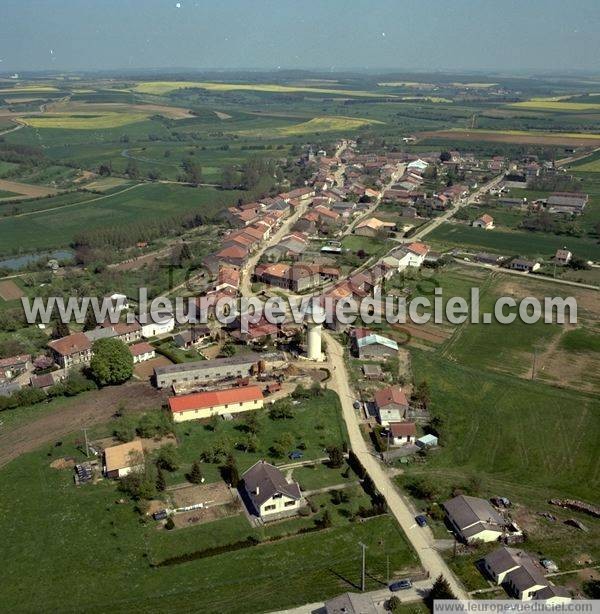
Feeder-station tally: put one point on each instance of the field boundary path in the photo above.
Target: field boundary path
(77, 204)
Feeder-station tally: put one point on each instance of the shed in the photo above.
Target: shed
(427, 441)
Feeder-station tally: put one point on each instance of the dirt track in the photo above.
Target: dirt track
(91, 408)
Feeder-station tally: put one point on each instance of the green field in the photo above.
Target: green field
(57, 228)
(510, 243)
(315, 125)
(82, 121)
(555, 105)
(513, 431)
(105, 540)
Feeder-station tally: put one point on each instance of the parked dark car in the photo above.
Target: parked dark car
(160, 515)
(401, 585)
(356, 404)
(421, 520)
(295, 455)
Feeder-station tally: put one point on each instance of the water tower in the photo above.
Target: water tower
(315, 316)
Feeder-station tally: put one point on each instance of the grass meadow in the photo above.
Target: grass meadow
(91, 542)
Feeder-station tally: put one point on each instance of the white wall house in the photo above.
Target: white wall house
(268, 493)
(154, 324)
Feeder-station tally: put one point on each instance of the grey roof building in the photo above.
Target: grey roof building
(474, 519)
(351, 603)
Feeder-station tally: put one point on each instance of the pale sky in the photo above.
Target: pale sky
(498, 35)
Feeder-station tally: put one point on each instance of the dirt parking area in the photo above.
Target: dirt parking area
(145, 370)
(9, 290)
(218, 499)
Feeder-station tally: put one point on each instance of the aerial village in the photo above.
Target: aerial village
(353, 230)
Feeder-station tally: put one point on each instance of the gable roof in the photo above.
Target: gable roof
(119, 457)
(389, 396)
(264, 480)
(403, 429)
(202, 400)
(71, 344)
(466, 511)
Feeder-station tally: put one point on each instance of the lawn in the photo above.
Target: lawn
(512, 431)
(97, 553)
(5, 194)
(510, 243)
(316, 424)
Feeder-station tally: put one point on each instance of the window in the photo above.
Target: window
(289, 503)
(277, 495)
(268, 508)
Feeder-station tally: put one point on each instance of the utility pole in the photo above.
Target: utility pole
(388, 567)
(362, 578)
(87, 445)
(533, 365)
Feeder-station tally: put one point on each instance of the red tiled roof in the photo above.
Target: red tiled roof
(137, 349)
(233, 251)
(403, 429)
(76, 342)
(202, 400)
(418, 248)
(393, 394)
(14, 360)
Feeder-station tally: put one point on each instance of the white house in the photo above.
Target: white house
(412, 254)
(474, 519)
(268, 494)
(485, 221)
(156, 323)
(391, 404)
(141, 352)
(402, 433)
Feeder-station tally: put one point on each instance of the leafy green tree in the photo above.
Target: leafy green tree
(132, 170)
(229, 178)
(193, 172)
(336, 456)
(90, 319)
(168, 457)
(592, 589)
(281, 410)
(251, 423)
(124, 429)
(112, 362)
(230, 472)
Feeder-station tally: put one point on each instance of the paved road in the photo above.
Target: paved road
(378, 597)
(444, 217)
(421, 539)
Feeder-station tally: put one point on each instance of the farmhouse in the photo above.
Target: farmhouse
(485, 221)
(124, 331)
(373, 372)
(203, 371)
(527, 266)
(402, 433)
(121, 460)
(72, 350)
(269, 495)
(391, 405)
(563, 256)
(367, 344)
(215, 403)
(351, 603)
(373, 227)
(474, 519)
(141, 352)
(296, 277)
(412, 254)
